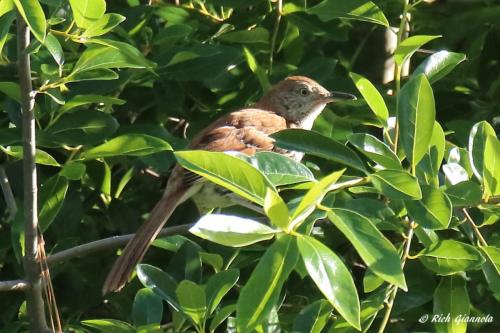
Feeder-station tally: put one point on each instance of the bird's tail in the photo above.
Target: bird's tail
(139, 244)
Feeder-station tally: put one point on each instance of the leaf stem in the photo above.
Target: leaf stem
(474, 227)
(279, 13)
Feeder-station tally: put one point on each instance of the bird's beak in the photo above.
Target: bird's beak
(338, 96)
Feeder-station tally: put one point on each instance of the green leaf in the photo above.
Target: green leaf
(449, 256)
(52, 194)
(10, 136)
(33, 15)
(113, 55)
(439, 64)
(6, 6)
(6, 20)
(313, 317)
(256, 35)
(464, 194)
(280, 169)
(219, 285)
(376, 150)
(221, 316)
(313, 197)
(103, 25)
(160, 282)
(491, 269)
(331, 277)
(372, 246)
(491, 167)
(11, 89)
(128, 144)
(257, 70)
(313, 143)
(147, 308)
(81, 128)
(100, 74)
(416, 116)
(397, 184)
(433, 211)
(87, 12)
(80, 100)
(451, 297)
(227, 171)
(263, 288)
(192, 300)
(276, 209)
(360, 10)
(231, 230)
(41, 157)
(52, 44)
(408, 46)
(109, 325)
(477, 146)
(372, 97)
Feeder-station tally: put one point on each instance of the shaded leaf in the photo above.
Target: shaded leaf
(353, 9)
(451, 297)
(33, 15)
(52, 194)
(128, 144)
(397, 184)
(147, 308)
(433, 211)
(376, 150)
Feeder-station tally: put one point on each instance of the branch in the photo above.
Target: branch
(7, 193)
(108, 243)
(14, 285)
(34, 298)
(475, 228)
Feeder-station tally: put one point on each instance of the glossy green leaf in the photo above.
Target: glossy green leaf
(477, 146)
(6, 6)
(416, 116)
(228, 171)
(313, 197)
(433, 211)
(82, 127)
(331, 277)
(73, 170)
(263, 288)
(109, 325)
(33, 15)
(99, 74)
(87, 12)
(360, 10)
(128, 144)
(192, 300)
(103, 25)
(451, 297)
(11, 89)
(257, 35)
(6, 20)
(10, 136)
(439, 64)
(52, 194)
(464, 194)
(491, 167)
(231, 230)
(160, 282)
(372, 97)
(218, 286)
(41, 157)
(81, 100)
(147, 308)
(376, 150)
(372, 246)
(52, 44)
(257, 69)
(313, 317)
(281, 170)
(313, 143)
(449, 256)
(276, 209)
(491, 268)
(221, 316)
(408, 46)
(397, 184)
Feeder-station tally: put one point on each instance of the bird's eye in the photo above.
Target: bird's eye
(304, 91)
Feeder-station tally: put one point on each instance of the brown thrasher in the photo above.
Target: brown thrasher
(292, 103)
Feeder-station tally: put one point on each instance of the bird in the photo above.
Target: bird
(294, 102)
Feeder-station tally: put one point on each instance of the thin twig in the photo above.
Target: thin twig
(107, 243)
(7, 193)
(34, 295)
(14, 285)
(279, 12)
(475, 228)
(394, 291)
